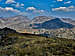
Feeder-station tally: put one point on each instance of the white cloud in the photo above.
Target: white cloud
(19, 5)
(34, 10)
(30, 8)
(67, 2)
(9, 9)
(70, 8)
(60, 8)
(10, 1)
(59, 0)
(22, 4)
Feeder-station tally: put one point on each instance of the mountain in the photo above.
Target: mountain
(6, 31)
(18, 19)
(4, 37)
(17, 22)
(41, 19)
(54, 24)
(2, 22)
(68, 20)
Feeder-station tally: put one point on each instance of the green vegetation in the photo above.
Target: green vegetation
(14, 44)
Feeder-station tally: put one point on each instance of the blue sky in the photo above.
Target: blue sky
(32, 8)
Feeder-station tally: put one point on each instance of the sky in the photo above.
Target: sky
(33, 8)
